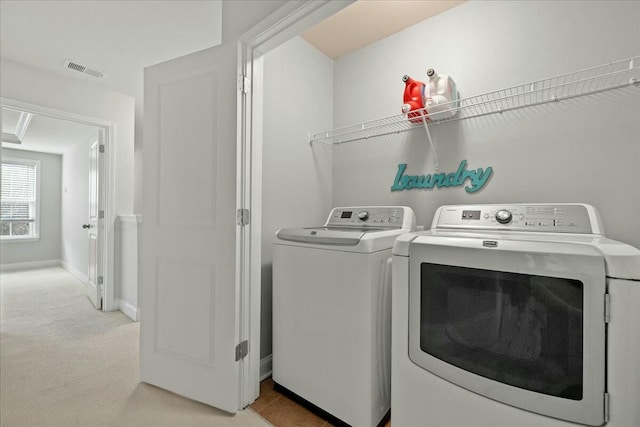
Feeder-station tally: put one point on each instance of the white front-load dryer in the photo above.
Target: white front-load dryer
(332, 311)
(515, 315)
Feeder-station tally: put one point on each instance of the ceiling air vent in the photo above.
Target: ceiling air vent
(81, 68)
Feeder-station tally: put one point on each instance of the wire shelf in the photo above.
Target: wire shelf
(588, 81)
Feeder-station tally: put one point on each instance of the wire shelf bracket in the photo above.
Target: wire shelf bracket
(592, 80)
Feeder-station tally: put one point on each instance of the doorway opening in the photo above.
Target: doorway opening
(64, 218)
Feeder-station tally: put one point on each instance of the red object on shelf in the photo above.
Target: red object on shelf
(413, 99)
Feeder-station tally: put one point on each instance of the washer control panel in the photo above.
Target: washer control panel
(560, 218)
(364, 216)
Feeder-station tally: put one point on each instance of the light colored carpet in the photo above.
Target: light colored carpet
(63, 363)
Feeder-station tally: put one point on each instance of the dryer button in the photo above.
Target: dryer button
(503, 216)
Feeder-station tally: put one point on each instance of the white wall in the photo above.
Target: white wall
(33, 86)
(296, 177)
(47, 248)
(127, 265)
(240, 16)
(27, 84)
(580, 150)
(75, 208)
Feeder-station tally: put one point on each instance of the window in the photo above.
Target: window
(20, 191)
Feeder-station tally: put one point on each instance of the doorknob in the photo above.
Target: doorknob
(86, 226)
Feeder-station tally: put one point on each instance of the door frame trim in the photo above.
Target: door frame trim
(288, 21)
(106, 246)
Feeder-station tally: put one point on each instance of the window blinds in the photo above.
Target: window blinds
(18, 191)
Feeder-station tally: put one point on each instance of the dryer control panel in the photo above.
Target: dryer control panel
(555, 218)
(372, 216)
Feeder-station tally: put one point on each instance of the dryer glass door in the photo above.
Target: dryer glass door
(522, 323)
(519, 329)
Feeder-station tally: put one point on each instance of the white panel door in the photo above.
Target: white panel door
(94, 285)
(188, 294)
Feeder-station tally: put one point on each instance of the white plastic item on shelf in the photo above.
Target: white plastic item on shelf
(440, 96)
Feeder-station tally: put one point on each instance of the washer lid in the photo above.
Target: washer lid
(343, 236)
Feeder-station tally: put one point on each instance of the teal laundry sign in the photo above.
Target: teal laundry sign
(472, 179)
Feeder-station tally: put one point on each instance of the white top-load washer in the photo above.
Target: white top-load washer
(515, 315)
(332, 311)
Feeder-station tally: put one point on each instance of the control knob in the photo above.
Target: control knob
(363, 215)
(503, 216)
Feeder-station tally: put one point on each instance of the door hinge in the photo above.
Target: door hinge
(242, 216)
(606, 407)
(100, 280)
(242, 350)
(101, 148)
(244, 84)
(100, 214)
(607, 308)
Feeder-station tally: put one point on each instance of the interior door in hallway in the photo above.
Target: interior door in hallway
(94, 285)
(189, 293)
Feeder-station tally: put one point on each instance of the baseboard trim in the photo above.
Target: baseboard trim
(128, 310)
(266, 366)
(75, 273)
(30, 265)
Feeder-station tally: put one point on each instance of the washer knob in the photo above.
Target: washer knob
(503, 216)
(363, 215)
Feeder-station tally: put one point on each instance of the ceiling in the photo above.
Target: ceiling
(118, 38)
(46, 134)
(367, 21)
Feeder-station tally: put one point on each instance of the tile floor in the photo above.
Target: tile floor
(281, 411)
